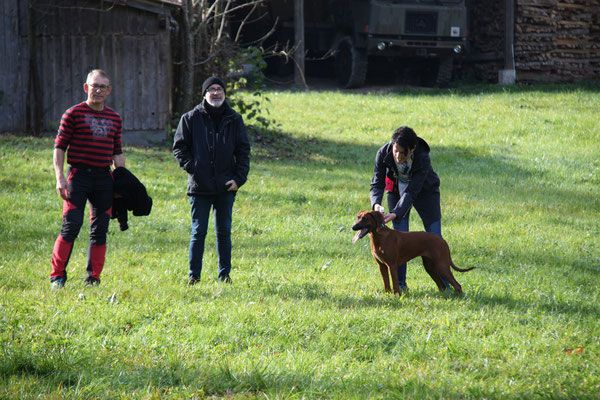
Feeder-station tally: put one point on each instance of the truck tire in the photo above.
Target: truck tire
(444, 73)
(350, 64)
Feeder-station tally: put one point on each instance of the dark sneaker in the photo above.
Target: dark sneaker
(193, 280)
(225, 278)
(89, 281)
(58, 283)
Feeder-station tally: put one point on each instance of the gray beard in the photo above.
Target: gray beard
(215, 104)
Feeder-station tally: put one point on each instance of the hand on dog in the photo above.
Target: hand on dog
(389, 217)
(386, 217)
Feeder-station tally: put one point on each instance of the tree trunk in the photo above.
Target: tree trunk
(299, 39)
(187, 76)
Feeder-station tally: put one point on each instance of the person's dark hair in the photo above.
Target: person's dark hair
(405, 137)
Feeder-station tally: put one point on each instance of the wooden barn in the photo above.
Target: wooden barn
(553, 40)
(47, 47)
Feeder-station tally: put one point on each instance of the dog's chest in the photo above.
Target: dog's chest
(378, 253)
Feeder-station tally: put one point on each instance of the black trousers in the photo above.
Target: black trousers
(84, 184)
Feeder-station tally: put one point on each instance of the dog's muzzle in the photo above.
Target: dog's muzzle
(360, 234)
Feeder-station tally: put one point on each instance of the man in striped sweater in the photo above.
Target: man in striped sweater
(90, 136)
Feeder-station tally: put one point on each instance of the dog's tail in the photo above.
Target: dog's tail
(454, 267)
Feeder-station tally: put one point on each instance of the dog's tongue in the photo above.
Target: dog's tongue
(360, 234)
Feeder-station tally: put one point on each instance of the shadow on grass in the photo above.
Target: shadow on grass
(283, 146)
(321, 293)
(521, 302)
(512, 302)
(220, 378)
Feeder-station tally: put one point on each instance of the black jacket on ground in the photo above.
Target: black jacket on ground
(130, 195)
(423, 190)
(212, 155)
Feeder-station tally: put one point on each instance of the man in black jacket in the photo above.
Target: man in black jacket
(403, 169)
(212, 146)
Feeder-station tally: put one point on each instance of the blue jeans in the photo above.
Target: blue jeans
(222, 205)
(402, 225)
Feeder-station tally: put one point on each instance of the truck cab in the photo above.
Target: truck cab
(363, 32)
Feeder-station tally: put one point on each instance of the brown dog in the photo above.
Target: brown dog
(392, 248)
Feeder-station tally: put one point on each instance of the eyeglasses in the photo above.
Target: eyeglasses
(102, 88)
(217, 90)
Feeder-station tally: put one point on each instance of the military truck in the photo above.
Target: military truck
(362, 33)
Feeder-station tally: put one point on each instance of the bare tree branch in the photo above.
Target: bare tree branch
(204, 16)
(205, 30)
(258, 18)
(236, 8)
(239, 31)
(222, 26)
(261, 39)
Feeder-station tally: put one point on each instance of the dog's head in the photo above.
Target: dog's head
(367, 222)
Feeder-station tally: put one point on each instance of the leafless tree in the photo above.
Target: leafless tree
(208, 47)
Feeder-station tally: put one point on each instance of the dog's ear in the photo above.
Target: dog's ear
(378, 217)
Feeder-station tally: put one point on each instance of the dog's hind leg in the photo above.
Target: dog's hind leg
(384, 275)
(431, 270)
(446, 273)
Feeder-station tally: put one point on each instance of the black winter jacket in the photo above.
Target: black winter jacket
(210, 167)
(130, 195)
(422, 190)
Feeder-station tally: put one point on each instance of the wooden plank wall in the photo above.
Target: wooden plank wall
(130, 44)
(13, 68)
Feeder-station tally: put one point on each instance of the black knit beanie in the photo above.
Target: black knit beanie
(212, 81)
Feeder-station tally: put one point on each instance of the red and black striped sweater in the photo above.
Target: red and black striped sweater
(92, 137)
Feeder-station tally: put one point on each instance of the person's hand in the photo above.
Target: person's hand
(379, 207)
(389, 217)
(61, 187)
(232, 186)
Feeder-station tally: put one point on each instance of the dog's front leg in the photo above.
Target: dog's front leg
(395, 284)
(384, 274)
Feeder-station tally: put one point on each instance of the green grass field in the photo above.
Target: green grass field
(306, 316)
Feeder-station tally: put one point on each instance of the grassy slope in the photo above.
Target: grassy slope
(306, 316)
